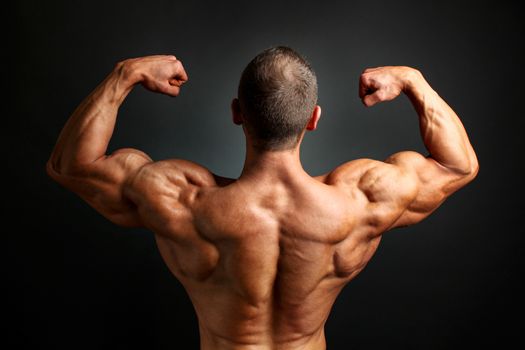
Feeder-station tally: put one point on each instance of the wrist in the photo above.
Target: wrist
(128, 73)
(413, 81)
(120, 82)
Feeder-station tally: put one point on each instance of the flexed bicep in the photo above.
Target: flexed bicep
(101, 184)
(452, 162)
(79, 160)
(433, 184)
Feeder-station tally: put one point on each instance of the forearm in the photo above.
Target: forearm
(441, 129)
(87, 133)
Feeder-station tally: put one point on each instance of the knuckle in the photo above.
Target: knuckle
(381, 94)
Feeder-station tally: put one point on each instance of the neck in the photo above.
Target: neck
(272, 165)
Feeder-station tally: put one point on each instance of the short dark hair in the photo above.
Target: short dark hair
(277, 94)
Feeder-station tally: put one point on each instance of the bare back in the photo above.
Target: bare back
(262, 257)
(262, 262)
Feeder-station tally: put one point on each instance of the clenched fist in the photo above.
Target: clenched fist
(384, 83)
(160, 73)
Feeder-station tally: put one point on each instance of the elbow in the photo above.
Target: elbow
(472, 170)
(474, 165)
(468, 171)
(56, 171)
(51, 169)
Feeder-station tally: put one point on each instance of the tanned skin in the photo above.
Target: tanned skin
(262, 257)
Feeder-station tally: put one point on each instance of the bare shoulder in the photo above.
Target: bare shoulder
(348, 173)
(361, 174)
(379, 182)
(164, 194)
(365, 173)
(180, 172)
(171, 176)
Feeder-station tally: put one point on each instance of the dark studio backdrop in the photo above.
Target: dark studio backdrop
(80, 282)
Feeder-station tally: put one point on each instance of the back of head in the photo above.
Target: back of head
(277, 94)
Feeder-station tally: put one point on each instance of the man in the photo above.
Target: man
(264, 256)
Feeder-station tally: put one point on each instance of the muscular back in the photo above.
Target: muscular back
(262, 257)
(262, 261)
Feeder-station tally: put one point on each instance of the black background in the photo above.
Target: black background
(80, 282)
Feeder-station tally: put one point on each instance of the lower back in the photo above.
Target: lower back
(306, 342)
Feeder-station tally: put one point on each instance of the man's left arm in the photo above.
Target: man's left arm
(79, 161)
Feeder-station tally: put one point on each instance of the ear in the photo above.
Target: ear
(314, 119)
(236, 111)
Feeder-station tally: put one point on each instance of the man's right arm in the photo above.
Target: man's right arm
(409, 186)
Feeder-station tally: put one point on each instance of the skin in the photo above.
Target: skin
(262, 257)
